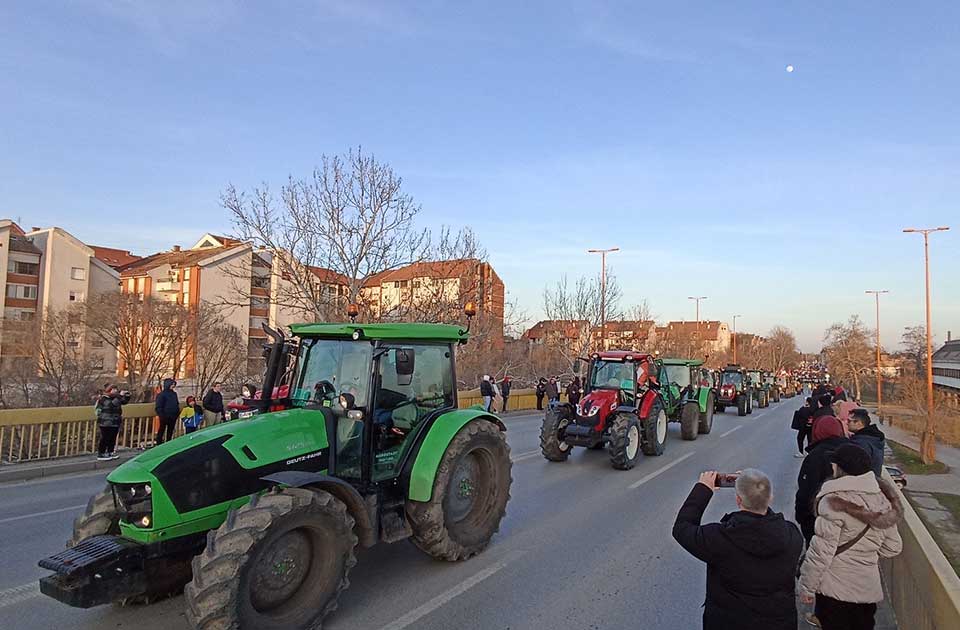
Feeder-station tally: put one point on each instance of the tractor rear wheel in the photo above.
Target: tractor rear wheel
(741, 405)
(654, 429)
(706, 417)
(690, 421)
(553, 448)
(278, 562)
(624, 444)
(470, 495)
(100, 517)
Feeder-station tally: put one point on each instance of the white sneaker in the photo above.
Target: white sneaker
(799, 455)
(103, 458)
(113, 456)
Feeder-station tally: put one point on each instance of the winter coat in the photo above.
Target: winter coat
(213, 401)
(815, 469)
(842, 409)
(541, 388)
(167, 404)
(751, 565)
(191, 416)
(486, 389)
(505, 388)
(802, 418)
(551, 390)
(845, 506)
(872, 440)
(110, 409)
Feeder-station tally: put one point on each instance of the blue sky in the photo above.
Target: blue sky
(671, 130)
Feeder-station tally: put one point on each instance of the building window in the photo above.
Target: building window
(27, 316)
(23, 268)
(260, 282)
(96, 363)
(22, 291)
(76, 296)
(78, 273)
(97, 343)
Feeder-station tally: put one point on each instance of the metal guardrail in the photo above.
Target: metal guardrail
(55, 432)
(922, 586)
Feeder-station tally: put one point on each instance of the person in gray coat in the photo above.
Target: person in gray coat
(867, 436)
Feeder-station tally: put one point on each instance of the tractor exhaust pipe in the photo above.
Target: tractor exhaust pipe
(277, 353)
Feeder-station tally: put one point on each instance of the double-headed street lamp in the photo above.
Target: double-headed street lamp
(603, 292)
(876, 293)
(928, 445)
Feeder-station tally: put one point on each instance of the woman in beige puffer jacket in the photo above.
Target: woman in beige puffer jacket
(856, 525)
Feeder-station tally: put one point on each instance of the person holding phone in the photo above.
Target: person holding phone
(751, 554)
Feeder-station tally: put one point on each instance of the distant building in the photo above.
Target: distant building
(946, 366)
(557, 331)
(627, 334)
(715, 335)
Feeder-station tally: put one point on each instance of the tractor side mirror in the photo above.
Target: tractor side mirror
(405, 365)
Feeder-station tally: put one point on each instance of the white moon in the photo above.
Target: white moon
(789, 68)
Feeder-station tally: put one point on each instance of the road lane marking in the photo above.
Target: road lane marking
(522, 456)
(19, 594)
(11, 519)
(643, 480)
(422, 611)
(739, 426)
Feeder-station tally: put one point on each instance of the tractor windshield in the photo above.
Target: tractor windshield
(329, 368)
(679, 374)
(731, 378)
(754, 378)
(612, 375)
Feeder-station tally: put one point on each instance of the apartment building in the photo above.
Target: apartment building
(946, 366)
(49, 269)
(715, 335)
(567, 332)
(627, 334)
(435, 286)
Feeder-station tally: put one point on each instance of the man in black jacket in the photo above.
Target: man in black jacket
(802, 424)
(109, 410)
(167, 407)
(213, 406)
(827, 436)
(751, 555)
(541, 392)
(505, 386)
(867, 436)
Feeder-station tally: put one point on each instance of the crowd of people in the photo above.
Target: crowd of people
(759, 563)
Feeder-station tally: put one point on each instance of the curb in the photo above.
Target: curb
(27, 472)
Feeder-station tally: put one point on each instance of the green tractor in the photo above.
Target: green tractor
(772, 386)
(687, 389)
(758, 389)
(360, 441)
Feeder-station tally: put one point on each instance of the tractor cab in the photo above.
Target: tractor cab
(616, 377)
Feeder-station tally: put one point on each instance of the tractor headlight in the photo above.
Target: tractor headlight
(134, 502)
(593, 411)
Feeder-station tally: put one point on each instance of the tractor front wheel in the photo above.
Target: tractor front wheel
(655, 430)
(624, 444)
(690, 421)
(278, 562)
(470, 495)
(551, 444)
(742, 405)
(99, 518)
(706, 417)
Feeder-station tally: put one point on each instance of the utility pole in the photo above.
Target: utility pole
(603, 292)
(928, 445)
(697, 300)
(735, 337)
(876, 294)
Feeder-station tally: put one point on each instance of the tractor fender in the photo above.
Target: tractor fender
(648, 399)
(434, 445)
(339, 488)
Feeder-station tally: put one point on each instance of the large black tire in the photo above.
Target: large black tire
(470, 495)
(625, 440)
(654, 430)
(278, 562)
(690, 421)
(706, 417)
(763, 399)
(742, 405)
(553, 448)
(100, 517)
(749, 405)
(776, 395)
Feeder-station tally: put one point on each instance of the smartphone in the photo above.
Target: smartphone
(726, 480)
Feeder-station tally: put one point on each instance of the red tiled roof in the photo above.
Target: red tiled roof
(329, 276)
(431, 269)
(181, 258)
(115, 258)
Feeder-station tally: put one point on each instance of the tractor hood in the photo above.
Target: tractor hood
(599, 402)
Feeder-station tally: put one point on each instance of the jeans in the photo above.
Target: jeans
(487, 401)
(837, 615)
(108, 440)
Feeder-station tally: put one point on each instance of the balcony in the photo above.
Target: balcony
(168, 286)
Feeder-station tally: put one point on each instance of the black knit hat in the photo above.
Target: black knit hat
(851, 459)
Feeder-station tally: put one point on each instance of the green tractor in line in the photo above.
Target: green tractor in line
(772, 386)
(688, 392)
(258, 520)
(758, 389)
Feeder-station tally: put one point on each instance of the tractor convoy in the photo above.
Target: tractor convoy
(360, 441)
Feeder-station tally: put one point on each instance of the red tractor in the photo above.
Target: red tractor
(621, 409)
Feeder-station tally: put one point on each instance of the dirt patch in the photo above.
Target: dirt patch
(908, 460)
(940, 514)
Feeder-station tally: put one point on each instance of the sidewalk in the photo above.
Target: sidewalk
(948, 483)
(61, 466)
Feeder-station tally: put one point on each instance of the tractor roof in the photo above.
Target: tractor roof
(690, 362)
(406, 332)
(621, 355)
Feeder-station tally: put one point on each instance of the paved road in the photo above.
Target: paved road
(582, 546)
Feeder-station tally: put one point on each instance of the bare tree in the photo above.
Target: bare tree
(576, 308)
(848, 350)
(780, 349)
(351, 217)
(64, 377)
(914, 342)
(221, 354)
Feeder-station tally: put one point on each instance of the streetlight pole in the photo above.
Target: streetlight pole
(876, 293)
(603, 292)
(735, 338)
(697, 300)
(928, 445)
